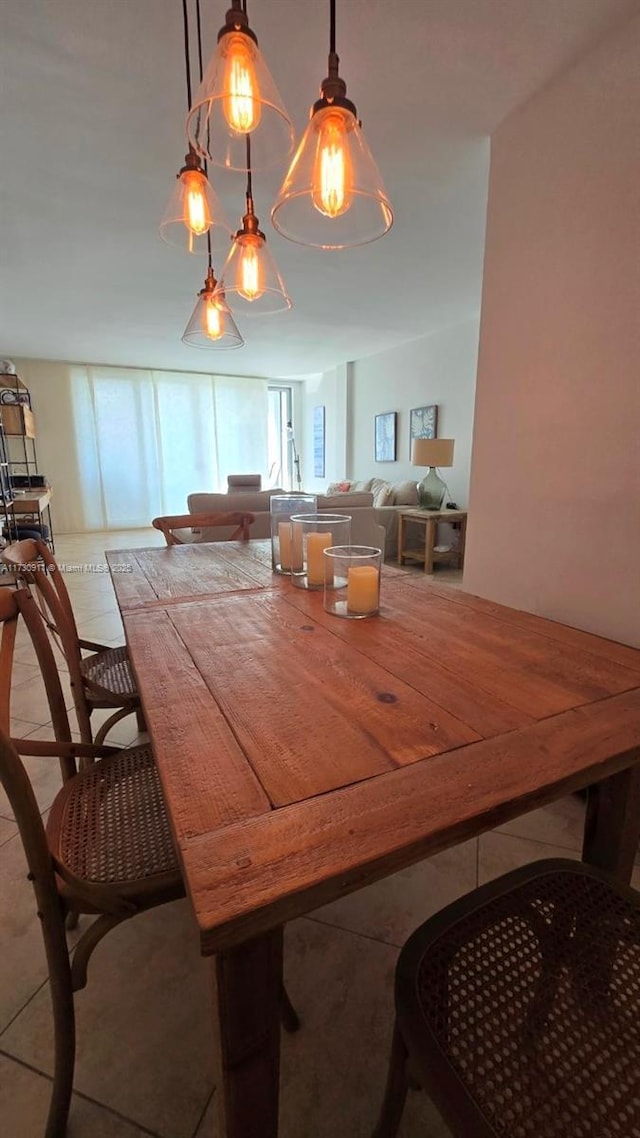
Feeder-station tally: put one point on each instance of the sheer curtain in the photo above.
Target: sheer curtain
(146, 439)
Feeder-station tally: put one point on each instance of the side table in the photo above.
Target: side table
(429, 520)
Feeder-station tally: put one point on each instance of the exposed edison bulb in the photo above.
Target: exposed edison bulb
(241, 98)
(250, 282)
(213, 319)
(197, 216)
(332, 188)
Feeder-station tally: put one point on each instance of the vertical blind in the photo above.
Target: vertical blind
(146, 439)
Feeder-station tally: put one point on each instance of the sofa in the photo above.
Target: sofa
(369, 509)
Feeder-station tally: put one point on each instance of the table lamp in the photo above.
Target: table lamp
(432, 453)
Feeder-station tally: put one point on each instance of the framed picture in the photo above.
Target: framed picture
(385, 437)
(423, 423)
(318, 442)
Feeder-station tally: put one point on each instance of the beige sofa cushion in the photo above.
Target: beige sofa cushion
(342, 502)
(249, 501)
(405, 494)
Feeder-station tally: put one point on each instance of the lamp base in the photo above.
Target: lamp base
(431, 491)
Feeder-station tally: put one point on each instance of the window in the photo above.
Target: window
(279, 448)
(147, 439)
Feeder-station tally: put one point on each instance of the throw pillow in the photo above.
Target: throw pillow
(405, 494)
(362, 487)
(384, 497)
(339, 488)
(379, 489)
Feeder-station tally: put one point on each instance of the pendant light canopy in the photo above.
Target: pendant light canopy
(236, 98)
(211, 324)
(333, 196)
(194, 212)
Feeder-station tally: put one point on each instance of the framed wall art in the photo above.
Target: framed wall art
(385, 436)
(423, 423)
(318, 442)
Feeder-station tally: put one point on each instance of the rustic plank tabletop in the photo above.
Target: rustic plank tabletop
(303, 756)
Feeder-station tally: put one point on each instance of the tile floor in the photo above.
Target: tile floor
(143, 1031)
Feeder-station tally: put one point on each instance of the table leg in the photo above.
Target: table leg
(400, 537)
(430, 531)
(247, 982)
(463, 540)
(612, 826)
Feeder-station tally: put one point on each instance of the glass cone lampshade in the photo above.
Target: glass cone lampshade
(211, 324)
(250, 278)
(194, 211)
(236, 98)
(333, 196)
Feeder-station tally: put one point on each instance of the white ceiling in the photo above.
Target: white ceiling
(92, 134)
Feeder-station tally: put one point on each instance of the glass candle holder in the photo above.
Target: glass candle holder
(282, 507)
(311, 534)
(354, 573)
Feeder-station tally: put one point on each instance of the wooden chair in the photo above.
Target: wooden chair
(102, 679)
(106, 849)
(518, 1009)
(168, 525)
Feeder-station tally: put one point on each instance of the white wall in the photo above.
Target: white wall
(331, 391)
(440, 369)
(554, 522)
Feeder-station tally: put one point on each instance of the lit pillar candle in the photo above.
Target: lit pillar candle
(296, 546)
(362, 588)
(316, 544)
(284, 538)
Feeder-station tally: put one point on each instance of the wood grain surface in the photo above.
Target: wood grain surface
(303, 755)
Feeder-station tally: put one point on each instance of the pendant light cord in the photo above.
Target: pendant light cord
(200, 73)
(332, 27)
(249, 194)
(187, 60)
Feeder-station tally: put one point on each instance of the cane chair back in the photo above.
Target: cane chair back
(238, 523)
(106, 850)
(102, 679)
(518, 1009)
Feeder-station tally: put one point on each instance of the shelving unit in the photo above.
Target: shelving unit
(28, 490)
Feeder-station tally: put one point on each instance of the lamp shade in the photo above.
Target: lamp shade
(236, 98)
(211, 324)
(333, 196)
(432, 452)
(194, 219)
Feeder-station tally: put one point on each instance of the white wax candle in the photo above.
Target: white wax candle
(316, 544)
(284, 537)
(362, 588)
(296, 546)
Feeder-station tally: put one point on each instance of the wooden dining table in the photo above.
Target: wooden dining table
(303, 756)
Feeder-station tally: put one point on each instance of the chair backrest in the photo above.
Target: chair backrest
(15, 602)
(16, 783)
(34, 563)
(168, 525)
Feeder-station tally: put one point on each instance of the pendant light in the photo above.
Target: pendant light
(194, 219)
(238, 97)
(211, 324)
(333, 196)
(250, 277)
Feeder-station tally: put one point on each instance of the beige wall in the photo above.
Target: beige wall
(555, 493)
(439, 369)
(50, 388)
